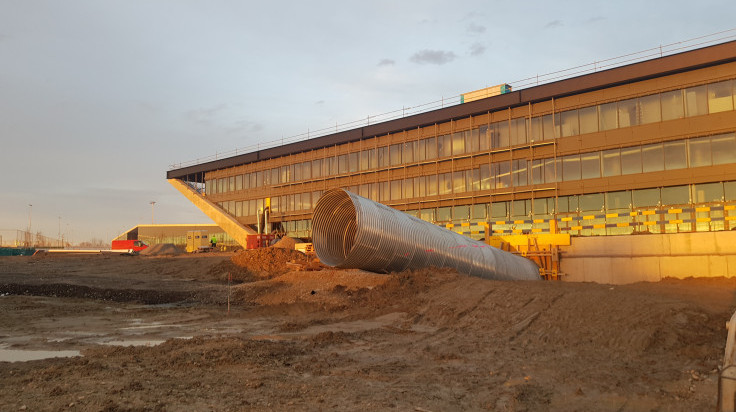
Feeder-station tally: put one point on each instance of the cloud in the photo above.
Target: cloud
(245, 127)
(553, 24)
(205, 115)
(595, 19)
(386, 62)
(319, 102)
(476, 28)
(433, 57)
(477, 49)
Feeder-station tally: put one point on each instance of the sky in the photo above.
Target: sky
(99, 98)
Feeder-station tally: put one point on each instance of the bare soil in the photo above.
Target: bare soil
(157, 333)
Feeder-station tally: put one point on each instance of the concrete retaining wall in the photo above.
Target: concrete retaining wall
(635, 258)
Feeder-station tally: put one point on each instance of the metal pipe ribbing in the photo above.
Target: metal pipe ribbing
(350, 231)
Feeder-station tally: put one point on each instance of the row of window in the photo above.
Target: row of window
(693, 101)
(545, 208)
(678, 154)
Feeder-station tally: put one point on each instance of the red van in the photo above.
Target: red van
(136, 245)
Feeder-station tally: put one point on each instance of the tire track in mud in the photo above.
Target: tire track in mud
(146, 296)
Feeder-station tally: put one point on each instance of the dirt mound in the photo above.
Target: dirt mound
(285, 243)
(162, 249)
(270, 262)
(328, 288)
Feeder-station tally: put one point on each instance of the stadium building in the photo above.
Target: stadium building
(648, 147)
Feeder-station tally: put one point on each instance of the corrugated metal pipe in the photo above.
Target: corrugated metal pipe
(350, 231)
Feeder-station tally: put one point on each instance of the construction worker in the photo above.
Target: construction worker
(213, 241)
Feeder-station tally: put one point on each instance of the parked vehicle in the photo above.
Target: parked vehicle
(135, 245)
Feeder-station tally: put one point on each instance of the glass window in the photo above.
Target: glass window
(696, 102)
(611, 160)
(478, 212)
(427, 215)
(537, 171)
(484, 138)
(431, 147)
(708, 192)
(407, 156)
(540, 207)
(383, 160)
(408, 187)
(618, 200)
(296, 172)
(729, 191)
(499, 210)
(520, 176)
(645, 197)
(627, 113)
(420, 153)
(675, 155)
(307, 170)
(551, 126)
(720, 96)
(444, 146)
(364, 160)
(444, 214)
(472, 180)
(652, 157)
(472, 143)
(432, 185)
(458, 143)
(458, 181)
(461, 213)
(342, 164)
(503, 174)
(552, 170)
(591, 202)
(239, 182)
(445, 183)
(502, 135)
(567, 204)
(485, 177)
(259, 179)
(699, 152)
(372, 159)
(571, 168)
(608, 116)
(590, 164)
(724, 149)
(275, 175)
(536, 129)
(520, 208)
(352, 163)
(384, 191)
(395, 153)
(396, 189)
(518, 131)
(373, 191)
(675, 195)
(306, 201)
(649, 109)
(569, 123)
(672, 105)
(364, 190)
(588, 119)
(631, 160)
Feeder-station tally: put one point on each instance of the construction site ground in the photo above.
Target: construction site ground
(155, 333)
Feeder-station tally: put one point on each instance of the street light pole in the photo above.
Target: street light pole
(152, 203)
(30, 226)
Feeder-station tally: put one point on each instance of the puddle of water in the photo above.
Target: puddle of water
(139, 342)
(12, 355)
(151, 326)
(134, 342)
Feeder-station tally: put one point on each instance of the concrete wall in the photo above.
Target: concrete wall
(635, 258)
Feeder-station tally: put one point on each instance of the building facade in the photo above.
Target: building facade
(645, 148)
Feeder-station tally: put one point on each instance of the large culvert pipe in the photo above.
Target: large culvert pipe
(350, 231)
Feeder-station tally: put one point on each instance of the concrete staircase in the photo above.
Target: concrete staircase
(228, 223)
